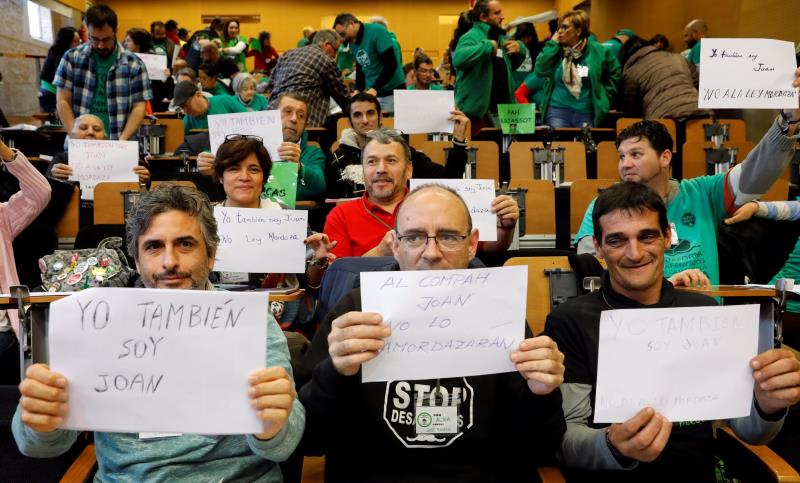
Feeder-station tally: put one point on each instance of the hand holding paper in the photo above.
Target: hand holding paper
(355, 338)
(272, 394)
(777, 380)
(642, 437)
(44, 399)
(540, 363)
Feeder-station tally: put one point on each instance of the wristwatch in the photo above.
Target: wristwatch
(319, 262)
(786, 121)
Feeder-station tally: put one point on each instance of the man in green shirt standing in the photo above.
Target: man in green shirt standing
(484, 59)
(102, 78)
(379, 69)
(423, 66)
(198, 107)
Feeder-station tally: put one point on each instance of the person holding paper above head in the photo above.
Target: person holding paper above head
(15, 215)
(485, 59)
(87, 126)
(696, 207)
(631, 234)
(506, 422)
(102, 78)
(172, 234)
(344, 175)
(582, 75)
(198, 107)
(242, 166)
(363, 227)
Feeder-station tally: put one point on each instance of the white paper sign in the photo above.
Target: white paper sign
(259, 240)
(446, 323)
(156, 65)
(747, 73)
(264, 124)
(688, 363)
(478, 194)
(148, 360)
(423, 112)
(97, 161)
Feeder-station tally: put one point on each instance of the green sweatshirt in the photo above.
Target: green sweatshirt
(472, 60)
(604, 75)
(311, 178)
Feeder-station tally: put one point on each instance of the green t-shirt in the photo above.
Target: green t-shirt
(216, 105)
(376, 41)
(102, 65)
(432, 87)
(694, 53)
(344, 59)
(303, 42)
(219, 90)
(159, 48)
(695, 213)
(561, 96)
(240, 58)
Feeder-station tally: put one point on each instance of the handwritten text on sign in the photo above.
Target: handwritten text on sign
(689, 364)
(98, 161)
(417, 111)
(155, 64)
(159, 360)
(264, 124)
(261, 241)
(478, 194)
(446, 323)
(747, 73)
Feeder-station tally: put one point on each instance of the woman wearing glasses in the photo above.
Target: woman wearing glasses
(242, 166)
(582, 76)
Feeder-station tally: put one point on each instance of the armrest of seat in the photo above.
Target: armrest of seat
(550, 474)
(775, 466)
(83, 468)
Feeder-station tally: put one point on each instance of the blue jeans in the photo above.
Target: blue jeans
(558, 117)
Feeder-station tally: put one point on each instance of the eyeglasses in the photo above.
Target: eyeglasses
(239, 137)
(564, 26)
(445, 241)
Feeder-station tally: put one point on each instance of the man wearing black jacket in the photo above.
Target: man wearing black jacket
(343, 175)
(507, 422)
(631, 233)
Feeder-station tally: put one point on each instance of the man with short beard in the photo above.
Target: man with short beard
(363, 227)
(102, 78)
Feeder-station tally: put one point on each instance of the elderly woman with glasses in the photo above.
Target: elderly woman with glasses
(242, 166)
(582, 76)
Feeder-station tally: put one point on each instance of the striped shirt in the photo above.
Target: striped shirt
(127, 84)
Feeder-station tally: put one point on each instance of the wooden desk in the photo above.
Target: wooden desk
(738, 291)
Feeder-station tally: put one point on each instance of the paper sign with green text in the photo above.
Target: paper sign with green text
(281, 186)
(517, 118)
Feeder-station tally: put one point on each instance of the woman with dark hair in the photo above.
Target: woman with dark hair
(138, 41)
(264, 54)
(660, 42)
(462, 27)
(66, 38)
(235, 45)
(656, 83)
(527, 34)
(242, 167)
(582, 76)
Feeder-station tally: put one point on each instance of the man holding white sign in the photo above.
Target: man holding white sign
(472, 428)
(363, 227)
(172, 233)
(631, 233)
(696, 207)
